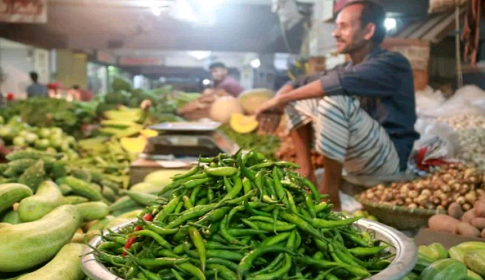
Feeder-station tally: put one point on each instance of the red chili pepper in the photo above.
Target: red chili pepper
(129, 243)
(148, 217)
(131, 240)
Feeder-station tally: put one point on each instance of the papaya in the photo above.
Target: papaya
(243, 124)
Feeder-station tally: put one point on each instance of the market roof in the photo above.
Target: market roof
(433, 28)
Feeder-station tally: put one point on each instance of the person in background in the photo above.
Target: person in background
(36, 89)
(361, 114)
(223, 81)
(81, 94)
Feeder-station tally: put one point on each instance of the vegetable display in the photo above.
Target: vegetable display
(241, 217)
(265, 144)
(455, 183)
(471, 135)
(465, 261)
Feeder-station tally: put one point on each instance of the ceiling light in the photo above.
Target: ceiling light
(200, 55)
(256, 63)
(157, 11)
(206, 82)
(390, 24)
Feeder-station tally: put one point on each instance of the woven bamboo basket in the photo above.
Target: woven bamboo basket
(401, 218)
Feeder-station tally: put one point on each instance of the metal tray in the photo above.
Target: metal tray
(186, 126)
(403, 263)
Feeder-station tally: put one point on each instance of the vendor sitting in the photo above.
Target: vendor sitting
(362, 112)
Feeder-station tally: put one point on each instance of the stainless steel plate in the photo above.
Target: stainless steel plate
(403, 263)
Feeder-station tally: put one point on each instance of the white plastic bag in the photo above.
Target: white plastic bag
(468, 100)
(440, 139)
(428, 99)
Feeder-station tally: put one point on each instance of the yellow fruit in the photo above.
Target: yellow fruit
(243, 124)
(149, 133)
(133, 145)
(223, 108)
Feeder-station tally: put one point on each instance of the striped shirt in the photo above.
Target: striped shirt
(383, 84)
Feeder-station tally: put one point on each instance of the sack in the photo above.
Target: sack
(437, 6)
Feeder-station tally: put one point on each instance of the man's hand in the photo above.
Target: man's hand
(274, 105)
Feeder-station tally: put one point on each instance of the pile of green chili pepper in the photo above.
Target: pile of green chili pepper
(242, 217)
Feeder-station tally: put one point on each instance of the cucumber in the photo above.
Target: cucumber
(65, 189)
(32, 154)
(17, 167)
(66, 265)
(12, 193)
(123, 211)
(145, 199)
(475, 261)
(447, 269)
(2, 225)
(96, 186)
(12, 217)
(109, 194)
(122, 203)
(132, 214)
(72, 199)
(473, 276)
(81, 188)
(26, 245)
(101, 224)
(47, 198)
(422, 264)
(92, 210)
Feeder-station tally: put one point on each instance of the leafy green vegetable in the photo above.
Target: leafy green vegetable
(265, 144)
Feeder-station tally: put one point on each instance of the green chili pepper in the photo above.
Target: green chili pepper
(313, 190)
(225, 232)
(221, 171)
(235, 190)
(254, 227)
(227, 183)
(250, 209)
(214, 215)
(166, 253)
(248, 260)
(153, 263)
(322, 206)
(271, 266)
(187, 203)
(192, 270)
(245, 232)
(301, 224)
(247, 172)
(194, 194)
(196, 182)
(203, 201)
(357, 271)
(281, 272)
(320, 223)
(114, 260)
(246, 185)
(276, 239)
(191, 172)
(223, 271)
(311, 206)
(291, 202)
(199, 245)
(148, 233)
(177, 275)
(225, 254)
(363, 252)
(258, 181)
(193, 213)
(224, 262)
(210, 195)
(159, 230)
(168, 209)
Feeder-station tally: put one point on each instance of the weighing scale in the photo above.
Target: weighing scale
(179, 145)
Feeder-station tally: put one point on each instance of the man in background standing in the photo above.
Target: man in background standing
(223, 81)
(36, 89)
